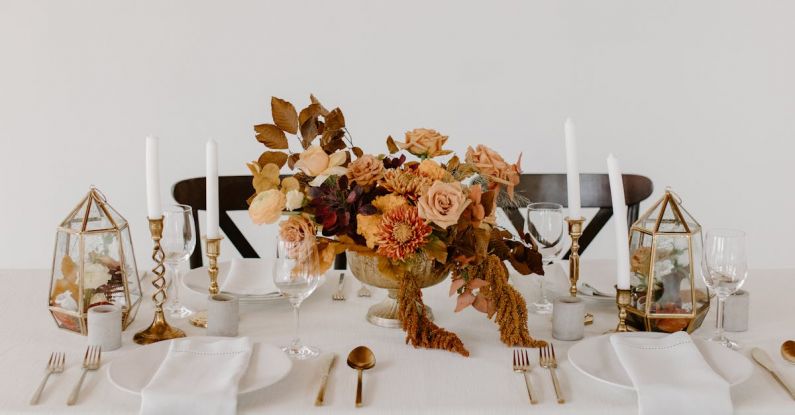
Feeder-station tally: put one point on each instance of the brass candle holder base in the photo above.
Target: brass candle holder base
(575, 232)
(159, 329)
(213, 250)
(623, 298)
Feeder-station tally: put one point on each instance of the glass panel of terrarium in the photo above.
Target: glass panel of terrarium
(702, 293)
(75, 219)
(133, 283)
(688, 218)
(97, 218)
(671, 221)
(65, 292)
(672, 275)
(640, 266)
(102, 280)
(649, 219)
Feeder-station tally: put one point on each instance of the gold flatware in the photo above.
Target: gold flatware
(788, 351)
(547, 360)
(522, 364)
(766, 362)
(55, 365)
(361, 359)
(363, 291)
(324, 379)
(91, 362)
(339, 295)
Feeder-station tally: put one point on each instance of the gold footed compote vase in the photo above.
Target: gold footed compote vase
(385, 313)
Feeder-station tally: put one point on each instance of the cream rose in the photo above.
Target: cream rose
(267, 206)
(297, 229)
(443, 203)
(316, 163)
(366, 170)
(94, 275)
(424, 142)
(294, 200)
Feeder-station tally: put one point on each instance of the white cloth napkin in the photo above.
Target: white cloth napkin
(671, 376)
(250, 276)
(198, 376)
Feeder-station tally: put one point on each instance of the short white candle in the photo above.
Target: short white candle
(153, 210)
(620, 219)
(572, 172)
(212, 189)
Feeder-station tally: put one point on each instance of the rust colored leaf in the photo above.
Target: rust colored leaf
(284, 115)
(276, 157)
(291, 160)
(390, 144)
(335, 120)
(308, 132)
(323, 110)
(311, 111)
(357, 151)
(332, 141)
(271, 136)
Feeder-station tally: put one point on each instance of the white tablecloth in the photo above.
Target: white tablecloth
(405, 380)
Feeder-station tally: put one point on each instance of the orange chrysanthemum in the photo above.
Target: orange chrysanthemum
(401, 233)
(405, 183)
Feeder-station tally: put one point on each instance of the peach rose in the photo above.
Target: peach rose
(492, 165)
(316, 163)
(443, 203)
(424, 142)
(431, 169)
(366, 170)
(267, 206)
(297, 229)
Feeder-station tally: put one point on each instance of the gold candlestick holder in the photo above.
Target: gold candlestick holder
(159, 329)
(212, 249)
(623, 298)
(575, 231)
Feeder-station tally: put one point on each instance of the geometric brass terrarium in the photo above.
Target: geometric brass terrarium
(667, 291)
(93, 264)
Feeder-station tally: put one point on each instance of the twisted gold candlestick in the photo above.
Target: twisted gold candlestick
(623, 298)
(213, 250)
(159, 329)
(575, 231)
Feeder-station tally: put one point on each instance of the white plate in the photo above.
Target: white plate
(581, 292)
(133, 370)
(198, 281)
(596, 358)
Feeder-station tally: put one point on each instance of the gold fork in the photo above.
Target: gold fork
(55, 365)
(522, 364)
(546, 359)
(90, 362)
(339, 295)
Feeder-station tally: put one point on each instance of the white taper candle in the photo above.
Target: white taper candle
(572, 172)
(620, 219)
(153, 210)
(212, 189)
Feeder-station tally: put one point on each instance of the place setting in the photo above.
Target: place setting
(418, 224)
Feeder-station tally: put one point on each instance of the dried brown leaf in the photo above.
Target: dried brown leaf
(311, 111)
(332, 141)
(391, 146)
(323, 110)
(335, 120)
(284, 115)
(357, 151)
(276, 157)
(271, 136)
(292, 160)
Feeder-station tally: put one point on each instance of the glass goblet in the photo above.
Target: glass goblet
(724, 270)
(178, 242)
(296, 274)
(545, 224)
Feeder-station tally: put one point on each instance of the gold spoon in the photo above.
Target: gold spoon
(788, 351)
(360, 358)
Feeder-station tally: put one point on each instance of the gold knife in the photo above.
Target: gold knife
(766, 362)
(324, 379)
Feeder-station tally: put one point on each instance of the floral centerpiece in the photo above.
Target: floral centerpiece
(399, 211)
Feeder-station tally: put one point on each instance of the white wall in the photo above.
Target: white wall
(698, 95)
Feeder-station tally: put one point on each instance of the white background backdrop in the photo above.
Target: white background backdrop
(696, 95)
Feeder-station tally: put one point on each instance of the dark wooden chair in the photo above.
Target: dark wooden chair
(594, 193)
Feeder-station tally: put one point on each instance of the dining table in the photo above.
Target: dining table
(405, 379)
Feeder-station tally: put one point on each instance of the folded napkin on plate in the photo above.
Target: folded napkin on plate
(671, 376)
(249, 277)
(198, 376)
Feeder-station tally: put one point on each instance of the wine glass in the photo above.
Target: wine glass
(178, 242)
(545, 223)
(296, 274)
(724, 270)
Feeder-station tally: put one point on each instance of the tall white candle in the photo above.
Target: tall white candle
(620, 219)
(152, 179)
(572, 172)
(212, 189)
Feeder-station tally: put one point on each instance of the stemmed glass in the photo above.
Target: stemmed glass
(178, 242)
(724, 270)
(545, 223)
(296, 274)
